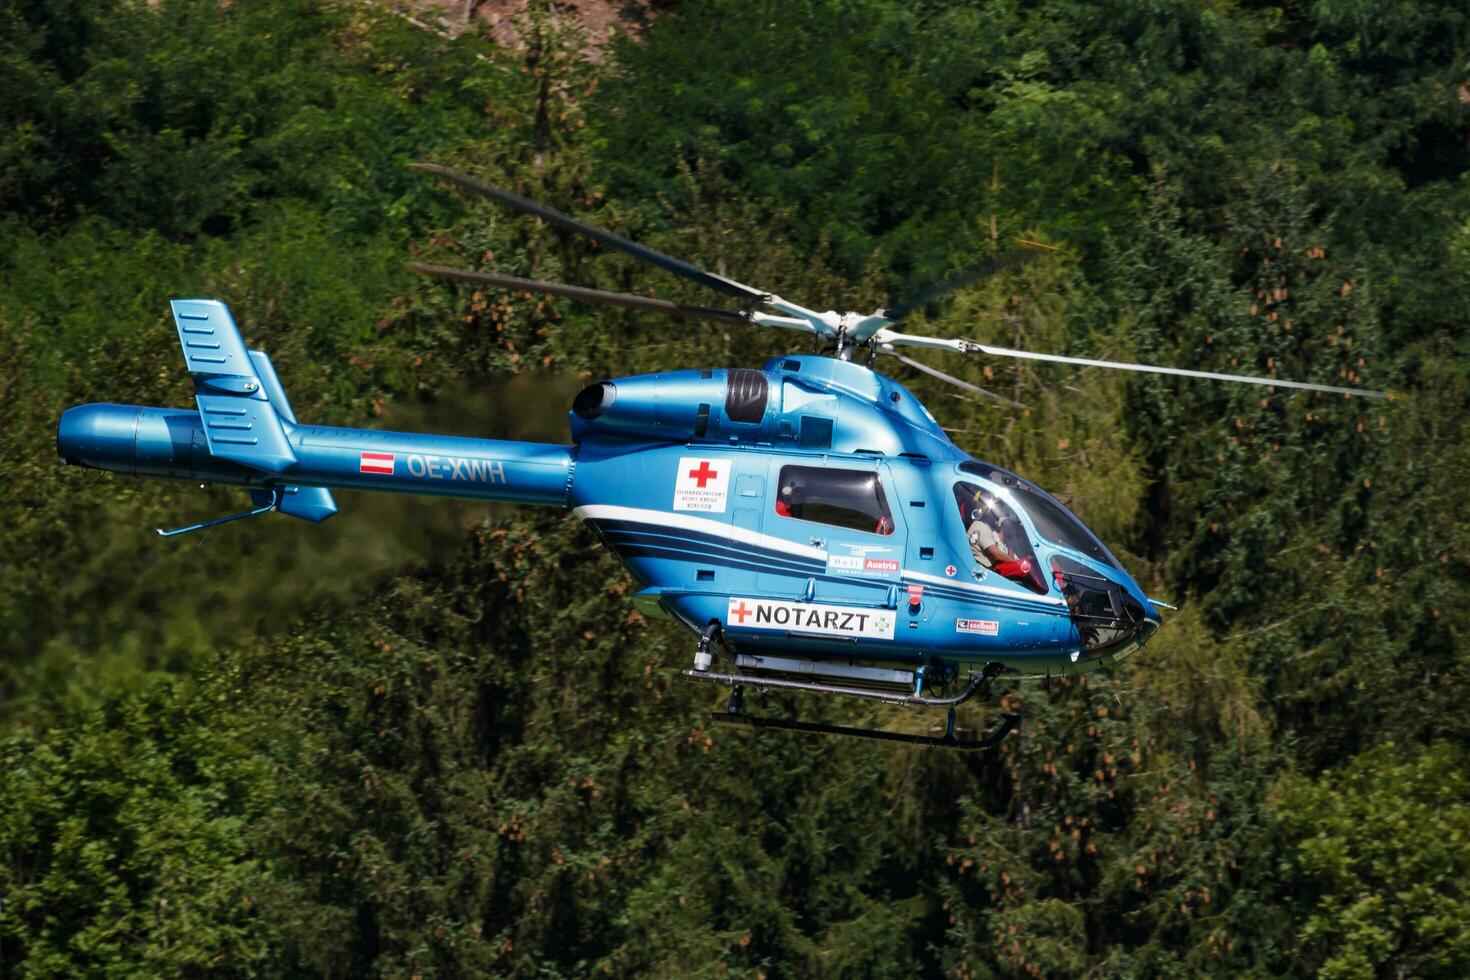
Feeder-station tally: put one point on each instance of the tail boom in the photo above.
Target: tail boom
(172, 443)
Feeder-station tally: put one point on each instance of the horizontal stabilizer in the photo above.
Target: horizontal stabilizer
(240, 423)
(313, 504)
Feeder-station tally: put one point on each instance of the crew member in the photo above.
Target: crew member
(987, 541)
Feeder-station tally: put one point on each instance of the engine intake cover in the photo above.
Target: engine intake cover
(746, 392)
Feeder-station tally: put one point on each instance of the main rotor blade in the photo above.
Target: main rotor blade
(642, 252)
(581, 293)
(980, 270)
(958, 382)
(1180, 372)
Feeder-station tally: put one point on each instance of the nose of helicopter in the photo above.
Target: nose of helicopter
(1110, 614)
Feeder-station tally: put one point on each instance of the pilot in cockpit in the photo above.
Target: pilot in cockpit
(990, 524)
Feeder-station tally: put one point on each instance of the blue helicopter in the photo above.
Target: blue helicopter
(810, 521)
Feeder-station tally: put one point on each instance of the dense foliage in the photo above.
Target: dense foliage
(430, 739)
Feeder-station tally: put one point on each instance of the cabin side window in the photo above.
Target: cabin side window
(851, 499)
(998, 540)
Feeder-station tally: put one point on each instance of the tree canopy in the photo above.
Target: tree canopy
(434, 739)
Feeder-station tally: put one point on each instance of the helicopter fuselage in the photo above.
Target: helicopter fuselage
(815, 508)
(812, 509)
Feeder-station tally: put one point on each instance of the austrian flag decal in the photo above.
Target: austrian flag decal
(376, 463)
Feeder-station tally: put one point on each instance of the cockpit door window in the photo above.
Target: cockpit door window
(851, 499)
(998, 540)
(1052, 521)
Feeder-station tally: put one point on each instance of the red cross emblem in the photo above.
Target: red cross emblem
(740, 612)
(704, 474)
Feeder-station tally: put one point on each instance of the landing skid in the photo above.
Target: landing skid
(945, 741)
(892, 686)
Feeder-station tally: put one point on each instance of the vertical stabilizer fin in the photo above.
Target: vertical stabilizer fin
(240, 423)
(274, 393)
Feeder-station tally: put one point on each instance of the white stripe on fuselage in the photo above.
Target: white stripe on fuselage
(703, 525)
(985, 589)
(663, 518)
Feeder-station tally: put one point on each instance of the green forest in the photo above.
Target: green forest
(436, 739)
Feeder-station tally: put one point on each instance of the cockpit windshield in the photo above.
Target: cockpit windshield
(998, 540)
(1053, 521)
